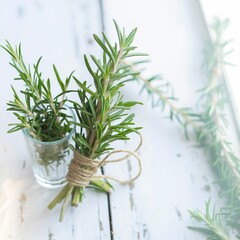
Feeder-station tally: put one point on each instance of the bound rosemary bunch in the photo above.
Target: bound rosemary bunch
(35, 108)
(103, 115)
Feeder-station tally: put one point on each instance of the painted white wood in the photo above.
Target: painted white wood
(60, 31)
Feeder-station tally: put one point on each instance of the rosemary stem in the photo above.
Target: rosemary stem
(105, 85)
(217, 72)
(61, 195)
(69, 192)
(167, 101)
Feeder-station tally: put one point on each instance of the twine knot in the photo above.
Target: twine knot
(83, 169)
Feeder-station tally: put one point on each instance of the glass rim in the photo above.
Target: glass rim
(67, 137)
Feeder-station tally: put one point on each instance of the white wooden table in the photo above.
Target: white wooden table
(176, 176)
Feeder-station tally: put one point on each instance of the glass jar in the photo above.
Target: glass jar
(50, 160)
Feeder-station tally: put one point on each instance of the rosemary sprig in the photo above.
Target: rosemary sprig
(103, 115)
(161, 96)
(213, 227)
(36, 109)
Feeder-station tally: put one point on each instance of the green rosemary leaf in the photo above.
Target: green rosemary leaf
(81, 141)
(81, 125)
(104, 48)
(93, 109)
(61, 84)
(130, 38)
(136, 55)
(119, 33)
(84, 87)
(113, 52)
(98, 63)
(96, 79)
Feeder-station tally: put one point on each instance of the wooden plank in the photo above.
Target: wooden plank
(60, 31)
(176, 176)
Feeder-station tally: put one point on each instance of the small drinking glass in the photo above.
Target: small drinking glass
(50, 160)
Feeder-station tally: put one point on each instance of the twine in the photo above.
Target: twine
(83, 169)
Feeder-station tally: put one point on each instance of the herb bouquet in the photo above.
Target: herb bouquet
(102, 117)
(46, 121)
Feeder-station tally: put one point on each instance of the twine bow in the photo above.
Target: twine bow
(83, 169)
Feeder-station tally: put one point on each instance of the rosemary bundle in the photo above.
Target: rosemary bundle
(102, 115)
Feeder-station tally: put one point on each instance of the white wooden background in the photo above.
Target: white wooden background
(176, 176)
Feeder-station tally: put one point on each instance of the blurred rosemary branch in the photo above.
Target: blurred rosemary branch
(161, 96)
(214, 99)
(209, 127)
